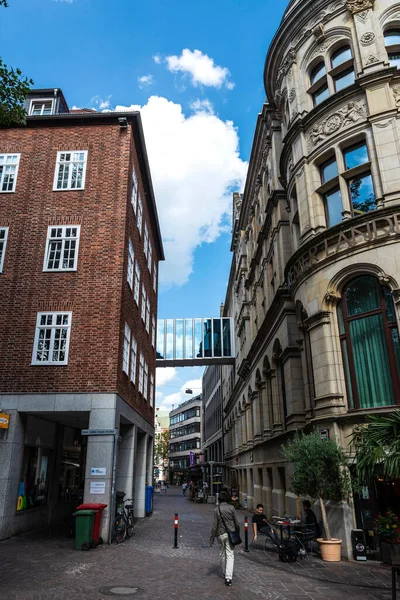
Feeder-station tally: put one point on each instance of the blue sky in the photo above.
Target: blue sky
(195, 70)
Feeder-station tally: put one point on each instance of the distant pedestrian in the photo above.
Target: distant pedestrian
(165, 487)
(225, 518)
(184, 488)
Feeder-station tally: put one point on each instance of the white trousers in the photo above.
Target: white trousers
(226, 554)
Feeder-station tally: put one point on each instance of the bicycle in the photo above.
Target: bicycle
(124, 521)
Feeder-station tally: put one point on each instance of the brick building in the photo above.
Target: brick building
(79, 250)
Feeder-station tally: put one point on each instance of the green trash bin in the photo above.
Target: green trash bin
(84, 522)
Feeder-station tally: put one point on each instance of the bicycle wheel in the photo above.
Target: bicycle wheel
(119, 529)
(130, 524)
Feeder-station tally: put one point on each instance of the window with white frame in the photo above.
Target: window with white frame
(151, 390)
(144, 296)
(134, 190)
(331, 74)
(139, 213)
(136, 290)
(149, 257)
(153, 332)
(141, 373)
(127, 345)
(145, 240)
(133, 359)
(70, 170)
(52, 338)
(41, 107)
(131, 262)
(3, 244)
(155, 277)
(148, 315)
(145, 380)
(9, 164)
(62, 248)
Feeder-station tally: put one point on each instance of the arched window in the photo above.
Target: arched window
(319, 86)
(392, 43)
(331, 75)
(370, 344)
(342, 68)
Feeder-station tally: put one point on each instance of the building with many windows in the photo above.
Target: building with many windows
(315, 279)
(79, 251)
(185, 454)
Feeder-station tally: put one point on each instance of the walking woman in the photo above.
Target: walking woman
(225, 518)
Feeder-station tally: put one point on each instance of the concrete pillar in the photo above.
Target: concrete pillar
(257, 497)
(140, 474)
(250, 489)
(278, 492)
(150, 461)
(11, 453)
(100, 453)
(126, 460)
(267, 491)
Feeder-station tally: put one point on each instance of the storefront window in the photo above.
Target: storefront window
(34, 484)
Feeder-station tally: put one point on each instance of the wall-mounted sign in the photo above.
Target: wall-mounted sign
(97, 487)
(4, 421)
(98, 471)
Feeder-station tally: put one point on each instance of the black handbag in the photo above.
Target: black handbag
(234, 536)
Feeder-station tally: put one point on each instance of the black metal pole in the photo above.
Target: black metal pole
(176, 524)
(246, 534)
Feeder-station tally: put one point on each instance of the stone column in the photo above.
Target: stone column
(278, 493)
(140, 474)
(258, 417)
(267, 491)
(257, 486)
(276, 403)
(11, 455)
(249, 426)
(250, 490)
(126, 460)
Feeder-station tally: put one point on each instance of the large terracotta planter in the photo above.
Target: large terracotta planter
(330, 549)
(390, 554)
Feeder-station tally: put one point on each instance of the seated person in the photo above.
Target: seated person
(261, 525)
(309, 518)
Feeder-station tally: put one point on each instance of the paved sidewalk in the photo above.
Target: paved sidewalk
(46, 567)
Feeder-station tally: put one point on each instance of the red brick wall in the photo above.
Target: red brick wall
(97, 293)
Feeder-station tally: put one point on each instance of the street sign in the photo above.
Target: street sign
(99, 431)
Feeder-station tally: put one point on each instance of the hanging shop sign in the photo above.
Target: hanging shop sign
(4, 421)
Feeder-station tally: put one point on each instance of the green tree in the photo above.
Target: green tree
(14, 87)
(319, 470)
(377, 448)
(161, 447)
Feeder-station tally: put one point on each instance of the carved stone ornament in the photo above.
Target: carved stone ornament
(324, 46)
(367, 38)
(286, 65)
(331, 297)
(349, 114)
(356, 6)
(319, 31)
(396, 94)
(362, 16)
(371, 60)
(292, 95)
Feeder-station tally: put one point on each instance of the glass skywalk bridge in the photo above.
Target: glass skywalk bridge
(195, 342)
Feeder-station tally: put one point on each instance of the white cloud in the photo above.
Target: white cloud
(165, 375)
(66, 1)
(145, 81)
(200, 67)
(195, 166)
(157, 59)
(100, 103)
(173, 400)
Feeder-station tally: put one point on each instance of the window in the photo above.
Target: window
(52, 338)
(145, 380)
(41, 107)
(127, 345)
(144, 295)
(149, 256)
(70, 170)
(137, 283)
(8, 172)
(332, 75)
(141, 373)
(148, 315)
(133, 360)
(131, 261)
(352, 190)
(3, 244)
(392, 43)
(155, 277)
(139, 214)
(370, 344)
(153, 332)
(134, 190)
(62, 248)
(146, 240)
(151, 390)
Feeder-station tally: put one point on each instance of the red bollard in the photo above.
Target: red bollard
(246, 534)
(176, 524)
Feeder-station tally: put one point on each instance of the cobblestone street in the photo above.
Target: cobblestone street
(46, 566)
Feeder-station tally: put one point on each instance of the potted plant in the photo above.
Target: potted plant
(388, 528)
(319, 472)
